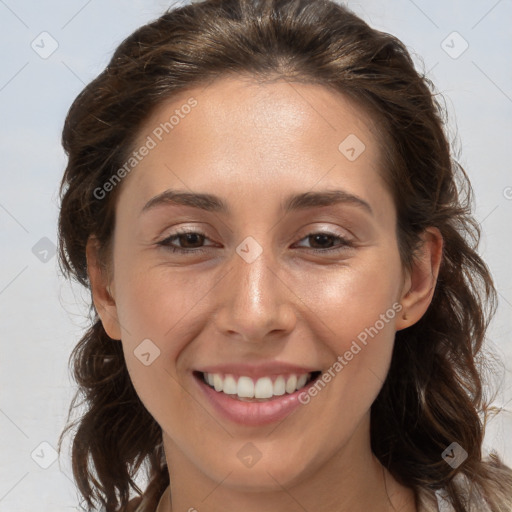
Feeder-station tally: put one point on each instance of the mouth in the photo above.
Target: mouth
(247, 389)
(251, 401)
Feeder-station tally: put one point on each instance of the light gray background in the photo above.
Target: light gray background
(42, 316)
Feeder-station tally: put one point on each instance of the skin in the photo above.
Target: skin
(253, 145)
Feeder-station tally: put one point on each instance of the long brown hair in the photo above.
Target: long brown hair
(433, 394)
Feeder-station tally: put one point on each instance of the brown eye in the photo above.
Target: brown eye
(325, 242)
(322, 240)
(189, 242)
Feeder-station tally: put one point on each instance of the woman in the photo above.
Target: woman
(287, 294)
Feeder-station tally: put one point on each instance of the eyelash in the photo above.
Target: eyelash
(166, 243)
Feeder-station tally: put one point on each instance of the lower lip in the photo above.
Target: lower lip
(252, 413)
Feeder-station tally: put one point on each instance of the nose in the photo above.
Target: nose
(254, 304)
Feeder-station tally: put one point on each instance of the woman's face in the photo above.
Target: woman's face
(292, 268)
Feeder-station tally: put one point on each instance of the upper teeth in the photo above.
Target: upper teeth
(261, 388)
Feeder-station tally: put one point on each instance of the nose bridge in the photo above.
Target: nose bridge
(253, 302)
(252, 270)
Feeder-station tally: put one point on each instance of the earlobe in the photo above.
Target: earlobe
(101, 291)
(421, 282)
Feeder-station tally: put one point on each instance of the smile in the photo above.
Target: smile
(264, 388)
(254, 402)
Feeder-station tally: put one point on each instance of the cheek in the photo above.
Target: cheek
(163, 311)
(156, 307)
(158, 302)
(355, 310)
(352, 298)
(162, 303)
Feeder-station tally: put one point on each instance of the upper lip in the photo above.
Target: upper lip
(263, 369)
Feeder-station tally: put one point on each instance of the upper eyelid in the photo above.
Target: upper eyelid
(186, 232)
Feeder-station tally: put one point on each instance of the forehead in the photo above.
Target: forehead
(236, 131)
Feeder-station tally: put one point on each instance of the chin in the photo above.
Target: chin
(267, 474)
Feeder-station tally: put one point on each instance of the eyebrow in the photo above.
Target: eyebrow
(211, 203)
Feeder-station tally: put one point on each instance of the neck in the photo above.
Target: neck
(352, 480)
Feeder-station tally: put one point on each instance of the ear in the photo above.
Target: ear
(421, 280)
(102, 295)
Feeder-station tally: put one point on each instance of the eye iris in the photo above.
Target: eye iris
(195, 240)
(322, 238)
(191, 237)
